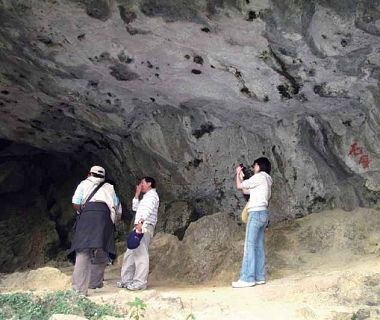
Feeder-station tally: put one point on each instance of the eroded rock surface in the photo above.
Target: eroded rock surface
(182, 91)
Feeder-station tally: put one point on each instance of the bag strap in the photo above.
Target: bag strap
(93, 192)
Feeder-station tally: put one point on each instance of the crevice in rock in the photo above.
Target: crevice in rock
(133, 31)
(239, 76)
(207, 127)
(122, 73)
(295, 86)
(127, 16)
(196, 71)
(198, 59)
(252, 15)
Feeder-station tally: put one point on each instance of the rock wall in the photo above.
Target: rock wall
(212, 247)
(184, 90)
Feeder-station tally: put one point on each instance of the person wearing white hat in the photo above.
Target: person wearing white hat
(98, 208)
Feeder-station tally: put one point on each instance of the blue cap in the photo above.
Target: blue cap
(133, 239)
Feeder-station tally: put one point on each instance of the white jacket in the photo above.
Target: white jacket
(259, 187)
(147, 208)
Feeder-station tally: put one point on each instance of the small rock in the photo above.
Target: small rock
(99, 9)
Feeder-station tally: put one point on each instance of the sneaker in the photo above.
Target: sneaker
(120, 284)
(260, 282)
(133, 287)
(242, 284)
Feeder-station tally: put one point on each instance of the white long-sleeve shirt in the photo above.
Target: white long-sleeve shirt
(259, 186)
(147, 207)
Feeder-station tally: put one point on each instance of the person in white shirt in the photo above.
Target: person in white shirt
(259, 189)
(93, 245)
(135, 268)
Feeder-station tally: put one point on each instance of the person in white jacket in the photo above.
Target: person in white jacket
(259, 189)
(135, 268)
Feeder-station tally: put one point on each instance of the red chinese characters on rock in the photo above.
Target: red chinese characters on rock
(364, 161)
(357, 152)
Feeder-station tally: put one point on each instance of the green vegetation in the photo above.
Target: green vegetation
(26, 306)
(137, 309)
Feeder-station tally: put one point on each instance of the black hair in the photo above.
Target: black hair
(151, 181)
(264, 164)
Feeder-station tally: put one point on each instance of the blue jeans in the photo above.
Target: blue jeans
(253, 268)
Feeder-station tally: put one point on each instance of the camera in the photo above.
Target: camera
(247, 173)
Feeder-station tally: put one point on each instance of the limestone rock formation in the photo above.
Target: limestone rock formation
(182, 91)
(212, 249)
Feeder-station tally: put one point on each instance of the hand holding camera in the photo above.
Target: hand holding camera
(242, 172)
(239, 171)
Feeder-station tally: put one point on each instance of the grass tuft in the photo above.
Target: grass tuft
(26, 306)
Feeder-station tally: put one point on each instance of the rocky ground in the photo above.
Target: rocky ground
(328, 267)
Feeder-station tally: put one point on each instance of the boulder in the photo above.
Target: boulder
(46, 278)
(211, 249)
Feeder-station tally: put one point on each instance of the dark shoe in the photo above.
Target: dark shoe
(97, 287)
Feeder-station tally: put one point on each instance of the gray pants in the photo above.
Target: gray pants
(135, 267)
(89, 269)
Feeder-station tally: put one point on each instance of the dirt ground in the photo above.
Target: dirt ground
(309, 294)
(340, 289)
